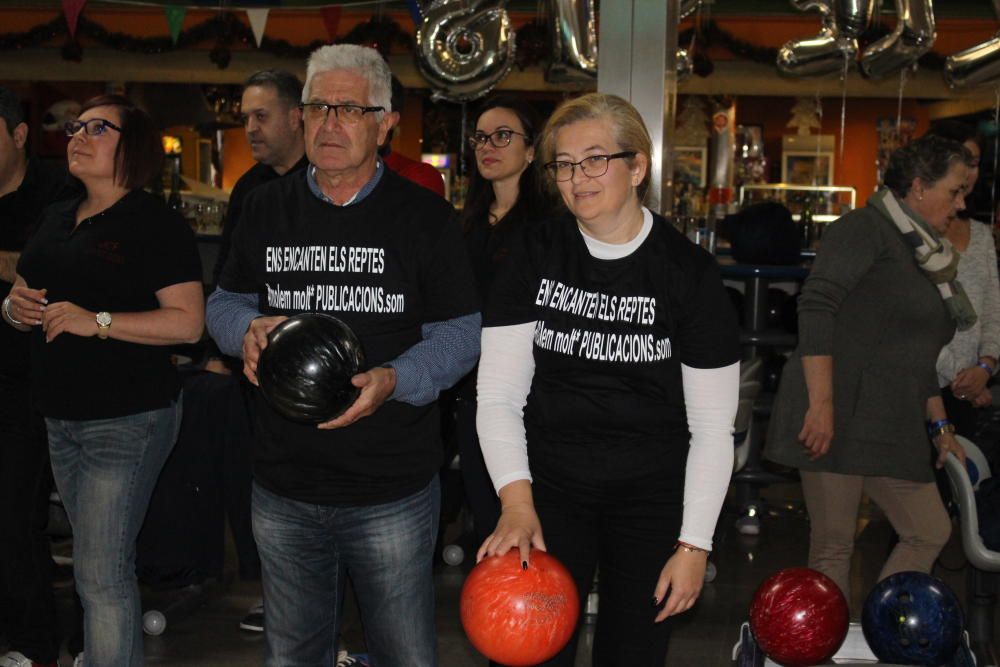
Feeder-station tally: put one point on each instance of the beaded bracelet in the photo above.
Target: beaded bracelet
(986, 367)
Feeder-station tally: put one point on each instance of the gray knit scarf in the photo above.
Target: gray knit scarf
(934, 254)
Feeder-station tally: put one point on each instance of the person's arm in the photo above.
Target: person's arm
(8, 265)
(23, 307)
(448, 351)
(506, 369)
(711, 396)
(942, 432)
(179, 319)
(228, 317)
(989, 342)
(817, 426)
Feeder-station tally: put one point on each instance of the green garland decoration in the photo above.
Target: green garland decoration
(381, 33)
(223, 29)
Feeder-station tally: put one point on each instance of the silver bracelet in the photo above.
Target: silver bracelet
(6, 311)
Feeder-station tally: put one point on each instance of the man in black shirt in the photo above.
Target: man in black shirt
(27, 607)
(355, 496)
(273, 123)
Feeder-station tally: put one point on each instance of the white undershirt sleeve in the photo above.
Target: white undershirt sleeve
(711, 396)
(506, 367)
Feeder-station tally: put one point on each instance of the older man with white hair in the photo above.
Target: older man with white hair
(357, 495)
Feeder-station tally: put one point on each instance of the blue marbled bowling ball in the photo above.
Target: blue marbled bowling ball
(912, 618)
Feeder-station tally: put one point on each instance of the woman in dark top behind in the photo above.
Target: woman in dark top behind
(109, 280)
(504, 195)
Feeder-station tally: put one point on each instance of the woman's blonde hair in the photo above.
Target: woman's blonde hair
(626, 126)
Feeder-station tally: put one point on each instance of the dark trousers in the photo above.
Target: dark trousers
(27, 605)
(206, 478)
(479, 491)
(961, 413)
(629, 537)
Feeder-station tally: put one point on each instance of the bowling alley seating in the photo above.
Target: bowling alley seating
(983, 563)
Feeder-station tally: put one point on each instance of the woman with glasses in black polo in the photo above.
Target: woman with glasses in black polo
(608, 386)
(109, 280)
(504, 196)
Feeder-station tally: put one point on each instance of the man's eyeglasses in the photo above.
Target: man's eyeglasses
(592, 167)
(497, 138)
(95, 127)
(349, 114)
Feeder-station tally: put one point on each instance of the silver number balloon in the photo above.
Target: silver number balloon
(976, 65)
(853, 16)
(823, 54)
(573, 31)
(913, 37)
(465, 47)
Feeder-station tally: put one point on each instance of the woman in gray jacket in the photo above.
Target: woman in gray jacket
(860, 396)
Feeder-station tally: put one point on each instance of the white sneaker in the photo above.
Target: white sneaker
(254, 620)
(18, 659)
(345, 659)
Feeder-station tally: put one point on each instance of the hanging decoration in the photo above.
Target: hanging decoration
(465, 47)
(977, 65)
(825, 53)
(852, 17)
(331, 20)
(913, 37)
(175, 20)
(807, 115)
(573, 32)
(258, 20)
(71, 9)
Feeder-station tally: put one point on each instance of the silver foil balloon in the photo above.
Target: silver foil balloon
(852, 16)
(573, 32)
(465, 47)
(976, 65)
(913, 37)
(823, 54)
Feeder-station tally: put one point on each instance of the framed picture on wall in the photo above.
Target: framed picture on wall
(691, 165)
(807, 167)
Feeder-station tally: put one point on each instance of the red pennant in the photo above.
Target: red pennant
(331, 19)
(72, 9)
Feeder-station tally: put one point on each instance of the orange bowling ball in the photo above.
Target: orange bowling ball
(519, 617)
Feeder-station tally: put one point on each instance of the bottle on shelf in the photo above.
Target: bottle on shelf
(806, 220)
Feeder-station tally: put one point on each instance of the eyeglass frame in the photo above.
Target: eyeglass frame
(550, 167)
(476, 143)
(336, 110)
(84, 125)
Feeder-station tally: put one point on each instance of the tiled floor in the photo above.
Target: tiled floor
(209, 637)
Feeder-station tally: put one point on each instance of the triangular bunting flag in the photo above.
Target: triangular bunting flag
(331, 19)
(175, 19)
(72, 9)
(258, 19)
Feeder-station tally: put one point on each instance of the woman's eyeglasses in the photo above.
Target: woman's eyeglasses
(593, 166)
(95, 127)
(497, 138)
(349, 114)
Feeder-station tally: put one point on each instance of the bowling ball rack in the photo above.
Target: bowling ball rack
(853, 652)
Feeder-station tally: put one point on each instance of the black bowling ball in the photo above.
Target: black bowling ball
(782, 310)
(306, 369)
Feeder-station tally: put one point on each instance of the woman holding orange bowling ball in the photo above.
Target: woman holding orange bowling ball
(607, 388)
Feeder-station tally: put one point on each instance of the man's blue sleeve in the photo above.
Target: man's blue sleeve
(449, 350)
(228, 316)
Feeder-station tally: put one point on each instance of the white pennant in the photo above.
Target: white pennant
(258, 19)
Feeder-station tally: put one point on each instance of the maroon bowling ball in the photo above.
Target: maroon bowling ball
(799, 617)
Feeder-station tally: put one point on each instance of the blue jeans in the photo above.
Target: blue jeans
(308, 551)
(105, 470)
